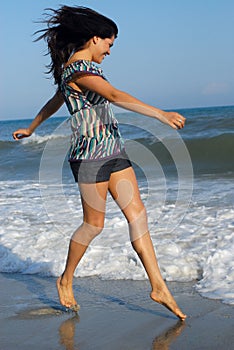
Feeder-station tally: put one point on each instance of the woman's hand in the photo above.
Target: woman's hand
(175, 120)
(21, 133)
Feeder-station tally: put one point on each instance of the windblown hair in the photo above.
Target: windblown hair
(68, 30)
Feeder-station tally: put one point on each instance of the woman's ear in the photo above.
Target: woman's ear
(95, 39)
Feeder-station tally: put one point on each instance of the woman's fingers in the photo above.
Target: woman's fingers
(20, 134)
(180, 123)
(177, 121)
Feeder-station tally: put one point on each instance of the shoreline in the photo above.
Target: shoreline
(114, 314)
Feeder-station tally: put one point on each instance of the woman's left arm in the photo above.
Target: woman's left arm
(129, 102)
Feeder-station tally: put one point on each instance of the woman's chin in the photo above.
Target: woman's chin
(98, 60)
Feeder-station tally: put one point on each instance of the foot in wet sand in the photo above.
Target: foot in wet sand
(168, 301)
(66, 296)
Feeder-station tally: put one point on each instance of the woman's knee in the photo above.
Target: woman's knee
(138, 223)
(87, 232)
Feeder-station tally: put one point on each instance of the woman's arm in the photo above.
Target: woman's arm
(47, 111)
(124, 100)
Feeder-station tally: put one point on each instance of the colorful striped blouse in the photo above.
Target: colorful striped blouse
(95, 131)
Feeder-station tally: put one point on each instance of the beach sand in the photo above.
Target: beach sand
(113, 315)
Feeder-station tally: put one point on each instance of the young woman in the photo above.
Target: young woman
(78, 38)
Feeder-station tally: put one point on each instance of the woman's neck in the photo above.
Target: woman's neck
(84, 54)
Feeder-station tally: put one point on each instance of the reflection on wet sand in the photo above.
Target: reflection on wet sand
(164, 340)
(161, 342)
(67, 333)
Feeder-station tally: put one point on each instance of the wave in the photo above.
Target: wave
(217, 148)
(33, 139)
(198, 248)
(5, 145)
(214, 154)
(37, 139)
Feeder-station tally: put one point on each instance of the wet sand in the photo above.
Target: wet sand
(113, 315)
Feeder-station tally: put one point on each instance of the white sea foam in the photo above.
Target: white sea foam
(35, 241)
(38, 139)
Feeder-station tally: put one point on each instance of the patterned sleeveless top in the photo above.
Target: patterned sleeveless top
(95, 132)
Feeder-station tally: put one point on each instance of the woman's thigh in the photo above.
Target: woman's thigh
(93, 197)
(124, 189)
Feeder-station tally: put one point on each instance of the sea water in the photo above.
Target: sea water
(186, 183)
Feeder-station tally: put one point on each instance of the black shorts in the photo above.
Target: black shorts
(94, 171)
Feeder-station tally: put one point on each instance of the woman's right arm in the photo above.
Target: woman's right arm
(47, 111)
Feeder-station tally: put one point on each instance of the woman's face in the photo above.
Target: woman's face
(102, 48)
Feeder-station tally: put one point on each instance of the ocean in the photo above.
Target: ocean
(186, 182)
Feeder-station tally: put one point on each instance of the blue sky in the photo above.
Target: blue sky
(169, 53)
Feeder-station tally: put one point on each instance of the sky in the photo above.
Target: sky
(169, 53)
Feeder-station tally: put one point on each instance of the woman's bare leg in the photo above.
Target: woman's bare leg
(64, 282)
(124, 189)
(160, 293)
(93, 202)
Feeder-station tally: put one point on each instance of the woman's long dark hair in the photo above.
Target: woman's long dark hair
(68, 30)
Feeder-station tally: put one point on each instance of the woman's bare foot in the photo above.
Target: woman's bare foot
(167, 300)
(66, 296)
